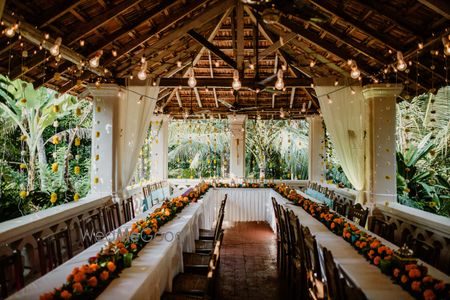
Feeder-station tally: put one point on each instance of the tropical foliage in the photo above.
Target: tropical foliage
(39, 166)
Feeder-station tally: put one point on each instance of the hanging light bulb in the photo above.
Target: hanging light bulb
(352, 91)
(312, 63)
(54, 50)
(279, 84)
(329, 99)
(401, 64)
(355, 73)
(140, 100)
(192, 82)
(282, 114)
(236, 85)
(446, 43)
(179, 63)
(95, 61)
(252, 66)
(142, 74)
(336, 82)
(120, 93)
(303, 107)
(217, 64)
(10, 32)
(114, 52)
(82, 43)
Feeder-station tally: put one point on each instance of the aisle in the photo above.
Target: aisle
(248, 266)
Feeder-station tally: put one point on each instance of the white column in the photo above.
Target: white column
(160, 147)
(237, 149)
(316, 159)
(103, 167)
(380, 151)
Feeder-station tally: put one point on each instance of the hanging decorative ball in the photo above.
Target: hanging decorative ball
(55, 140)
(76, 170)
(96, 180)
(23, 166)
(98, 108)
(55, 167)
(77, 157)
(97, 134)
(56, 108)
(23, 101)
(57, 76)
(23, 194)
(23, 153)
(77, 142)
(53, 198)
(78, 111)
(97, 156)
(54, 155)
(76, 197)
(23, 137)
(56, 124)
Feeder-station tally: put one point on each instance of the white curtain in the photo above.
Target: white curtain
(343, 111)
(134, 114)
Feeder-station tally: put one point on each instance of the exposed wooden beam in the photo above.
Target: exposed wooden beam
(240, 36)
(208, 45)
(291, 104)
(273, 100)
(226, 82)
(439, 6)
(177, 94)
(197, 96)
(86, 28)
(56, 12)
(275, 46)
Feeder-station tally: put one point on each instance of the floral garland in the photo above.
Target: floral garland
(407, 273)
(89, 280)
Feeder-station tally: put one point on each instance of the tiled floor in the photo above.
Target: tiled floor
(248, 264)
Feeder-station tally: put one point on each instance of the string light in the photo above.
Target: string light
(141, 98)
(303, 107)
(217, 64)
(82, 43)
(252, 66)
(312, 63)
(355, 73)
(236, 85)
(142, 74)
(10, 32)
(179, 63)
(282, 113)
(401, 64)
(329, 99)
(192, 82)
(352, 91)
(46, 36)
(446, 43)
(95, 61)
(279, 84)
(120, 93)
(336, 82)
(54, 50)
(114, 52)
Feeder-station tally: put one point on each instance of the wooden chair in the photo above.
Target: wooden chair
(314, 276)
(350, 290)
(424, 251)
(11, 273)
(285, 244)
(340, 206)
(90, 226)
(128, 209)
(197, 263)
(206, 246)
(334, 287)
(358, 214)
(209, 234)
(147, 203)
(54, 249)
(382, 228)
(278, 233)
(298, 257)
(111, 215)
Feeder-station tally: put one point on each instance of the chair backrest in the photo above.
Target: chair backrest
(276, 213)
(311, 253)
(11, 273)
(54, 249)
(295, 236)
(128, 209)
(358, 214)
(340, 206)
(111, 214)
(425, 251)
(382, 228)
(334, 287)
(90, 226)
(284, 227)
(349, 289)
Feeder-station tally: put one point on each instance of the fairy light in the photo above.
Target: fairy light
(142, 74)
(279, 84)
(355, 73)
(236, 85)
(401, 64)
(192, 82)
(10, 32)
(54, 50)
(82, 43)
(95, 61)
(446, 43)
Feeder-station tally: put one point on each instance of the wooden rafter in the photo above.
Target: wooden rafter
(442, 7)
(225, 82)
(240, 36)
(208, 45)
(291, 104)
(56, 12)
(275, 46)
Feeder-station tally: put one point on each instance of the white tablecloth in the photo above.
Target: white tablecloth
(151, 272)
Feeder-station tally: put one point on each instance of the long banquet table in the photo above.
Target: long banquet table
(161, 259)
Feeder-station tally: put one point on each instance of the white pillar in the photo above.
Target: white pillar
(160, 147)
(237, 149)
(316, 158)
(103, 167)
(381, 167)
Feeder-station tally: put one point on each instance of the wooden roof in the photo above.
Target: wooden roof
(312, 38)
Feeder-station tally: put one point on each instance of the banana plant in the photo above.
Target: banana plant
(32, 111)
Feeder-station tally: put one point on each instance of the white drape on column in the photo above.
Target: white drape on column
(343, 111)
(134, 114)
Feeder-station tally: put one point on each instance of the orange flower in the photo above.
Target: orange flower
(75, 270)
(120, 245)
(414, 273)
(46, 296)
(147, 231)
(92, 281)
(93, 267)
(347, 235)
(439, 286)
(332, 225)
(66, 295)
(396, 272)
(104, 275)
(77, 287)
(363, 245)
(167, 212)
(357, 244)
(79, 277)
(429, 295)
(410, 267)
(404, 279)
(133, 246)
(381, 249)
(415, 286)
(123, 251)
(374, 244)
(111, 266)
(69, 277)
(388, 257)
(376, 260)
(427, 279)
(371, 254)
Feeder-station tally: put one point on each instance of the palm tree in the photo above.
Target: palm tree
(32, 111)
